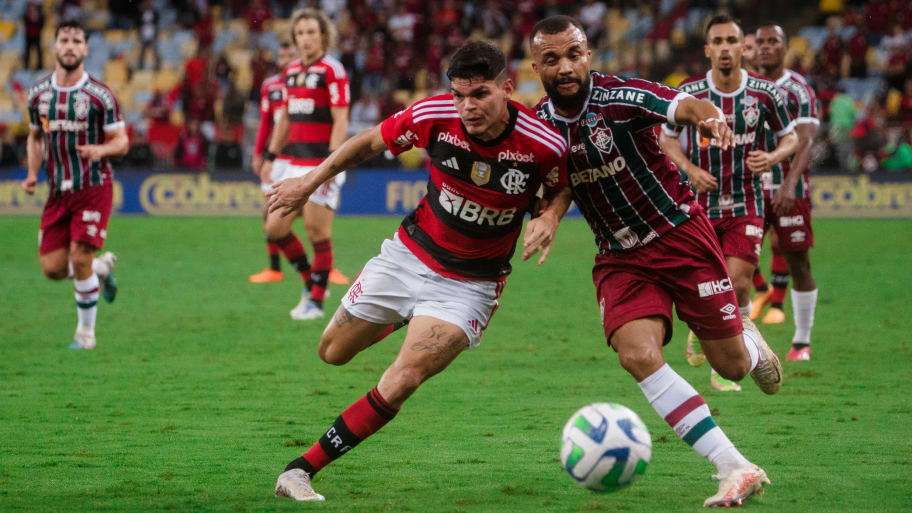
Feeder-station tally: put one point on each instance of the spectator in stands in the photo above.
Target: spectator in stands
(148, 35)
(842, 119)
(257, 14)
(492, 19)
(858, 52)
(261, 66)
(122, 15)
(192, 148)
(905, 104)
(365, 113)
(870, 137)
(402, 24)
(375, 63)
(895, 47)
(140, 154)
(877, 16)
(831, 52)
(899, 155)
(8, 156)
(222, 71)
(34, 22)
(70, 10)
(592, 16)
(203, 28)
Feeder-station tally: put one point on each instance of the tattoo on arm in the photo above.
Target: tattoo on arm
(342, 317)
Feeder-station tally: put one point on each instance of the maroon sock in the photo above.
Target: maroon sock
(759, 281)
(360, 420)
(294, 251)
(323, 262)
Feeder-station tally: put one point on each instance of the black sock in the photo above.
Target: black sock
(275, 262)
(302, 464)
(800, 345)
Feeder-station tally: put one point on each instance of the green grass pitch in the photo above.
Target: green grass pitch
(202, 388)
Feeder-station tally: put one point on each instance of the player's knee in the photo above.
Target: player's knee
(331, 352)
(733, 368)
(406, 380)
(742, 286)
(56, 273)
(642, 361)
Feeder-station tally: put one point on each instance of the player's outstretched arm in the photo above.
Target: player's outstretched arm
(541, 230)
(708, 118)
(291, 194)
(759, 161)
(702, 180)
(34, 148)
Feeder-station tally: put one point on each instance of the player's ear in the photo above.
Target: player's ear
(508, 87)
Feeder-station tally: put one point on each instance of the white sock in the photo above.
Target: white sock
(86, 292)
(685, 411)
(803, 306)
(70, 273)
(751, 337)
(745, 311)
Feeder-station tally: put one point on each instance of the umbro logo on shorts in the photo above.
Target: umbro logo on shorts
(729, 311)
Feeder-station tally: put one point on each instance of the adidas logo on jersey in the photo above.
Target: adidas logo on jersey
(451, 163)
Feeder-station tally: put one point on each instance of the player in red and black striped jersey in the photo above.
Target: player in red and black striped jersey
(75, 126)
(656, 248)
(787, 195)
(447, 264)
(312, 122)
(270, 105)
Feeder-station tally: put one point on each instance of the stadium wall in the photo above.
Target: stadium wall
(397, 192)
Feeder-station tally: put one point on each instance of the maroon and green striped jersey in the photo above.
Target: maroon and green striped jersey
(748, 110)
(802, 106)
(625, 187)
(71, 116)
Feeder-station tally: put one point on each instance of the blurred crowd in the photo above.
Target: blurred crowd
(395, 51)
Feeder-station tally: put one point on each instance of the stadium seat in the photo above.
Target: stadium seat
(7, 29)
(115, 73)
(166, 79)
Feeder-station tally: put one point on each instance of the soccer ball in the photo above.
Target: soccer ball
(605, 447)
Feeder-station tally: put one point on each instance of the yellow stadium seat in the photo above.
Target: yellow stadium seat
(799, 45)
(115, 35)
(115, 73)
(7, 29)
(166, 79)
(894, 100)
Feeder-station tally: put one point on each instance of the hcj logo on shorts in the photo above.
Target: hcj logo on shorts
(753, 231)
(729, 311)
(711, 288)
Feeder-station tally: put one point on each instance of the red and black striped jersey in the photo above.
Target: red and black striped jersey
(69, 117)
(801, 102)
(478, 191)
(309, 91)
(748, 110)
(625, 187)
(270, 103)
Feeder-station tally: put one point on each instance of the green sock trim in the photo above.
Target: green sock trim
(699, 430)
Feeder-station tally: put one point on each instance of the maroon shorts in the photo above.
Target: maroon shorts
(76, 216)
(685, 268)
(793, 230)
(740, 237)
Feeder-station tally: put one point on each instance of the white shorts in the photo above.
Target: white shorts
(395, 286)
(329, 194)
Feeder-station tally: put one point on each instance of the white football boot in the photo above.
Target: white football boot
(737, 486)
(84, 338)
(295, 484)
(306, 309)
(768, 372)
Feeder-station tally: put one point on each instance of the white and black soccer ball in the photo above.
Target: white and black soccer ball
(605, 447)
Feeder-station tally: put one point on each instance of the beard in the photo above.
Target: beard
(572, 102)
(69, 67)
